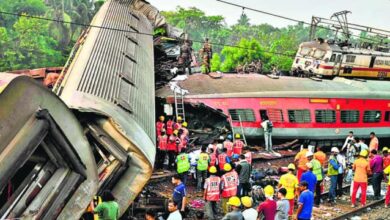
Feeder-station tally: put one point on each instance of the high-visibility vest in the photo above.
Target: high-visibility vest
(221, 160)
(230, 181)
(213, 188)
(159, 127)
(203, 162)
(248, 157)
(237, 147)
(331, 170)
(162, 142)
(183, 164)
(169, 127)
(317, 169)
(229, 146)
(213, 159)
(172, 143)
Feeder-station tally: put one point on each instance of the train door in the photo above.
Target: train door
(337, 64)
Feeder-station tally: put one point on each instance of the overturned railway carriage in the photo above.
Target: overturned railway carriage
(47, 167)
(109, 84)
(298, 107)
(329, 60)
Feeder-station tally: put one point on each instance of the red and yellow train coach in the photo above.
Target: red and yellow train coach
(298, 107)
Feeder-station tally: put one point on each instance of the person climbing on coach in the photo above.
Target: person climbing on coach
(238, 145)
(212, 191)
(333, 172)
(301, 161)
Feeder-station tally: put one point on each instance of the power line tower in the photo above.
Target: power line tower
(341, 17)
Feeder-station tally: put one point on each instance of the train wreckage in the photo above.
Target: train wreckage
(95, 130)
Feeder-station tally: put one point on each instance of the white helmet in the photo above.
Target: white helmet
(309, 154)
(335, 150)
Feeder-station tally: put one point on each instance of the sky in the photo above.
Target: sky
(374, 13)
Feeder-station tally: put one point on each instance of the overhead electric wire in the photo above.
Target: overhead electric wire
(136, 32)
(286, 18)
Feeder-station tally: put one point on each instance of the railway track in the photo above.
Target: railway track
(359, 211)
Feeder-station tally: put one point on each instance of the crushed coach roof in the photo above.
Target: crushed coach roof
(255, 85)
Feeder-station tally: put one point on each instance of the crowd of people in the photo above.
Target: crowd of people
(223, 176)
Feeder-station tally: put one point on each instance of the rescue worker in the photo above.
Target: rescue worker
(249, 213)
(234, 203)
(228, 144)
(206, 54)
(185, 57)
(360, 180)
(184, 128)
(162, 142)
(243, 170)
(160, 125)
(318, 172)
(374, 143)
(172, 149)
(213, 145)
(229, 183)
(248, 155)
(301, 160)
(387, 199)
(213, 158)
(212, 191)
(386, 157)
(183, 139)
(320, 156)
(267, 209)
(376, 166)
(290, 182)
(183, 165)
(238, 145)
(169, 126)
(333, 172)
(203, 164)
(223, 159)
(178, 124)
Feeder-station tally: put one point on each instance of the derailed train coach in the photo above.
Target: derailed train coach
(94, 133)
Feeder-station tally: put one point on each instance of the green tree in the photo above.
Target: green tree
(215, 62)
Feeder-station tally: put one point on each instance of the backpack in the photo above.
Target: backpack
(270, 126)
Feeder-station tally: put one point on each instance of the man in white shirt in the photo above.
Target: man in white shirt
(267, 126)
(249, 213)
(348, 141)
(174, 212)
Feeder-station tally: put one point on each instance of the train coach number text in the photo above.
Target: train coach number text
(382, 74)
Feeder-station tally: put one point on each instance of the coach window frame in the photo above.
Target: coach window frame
(366, 116)
(293, 119)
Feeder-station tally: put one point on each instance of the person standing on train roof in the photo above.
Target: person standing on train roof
(228, 144)
(320, 156)
(301, 160)
(348, 141)
(386, 157)
(376, 166)
(333, 172)
(238, 145)
(169, 126)
(290, 182)
(362, 170)
(374, 143)
(387, 199)
(178, 124)
(267, 126)
(160, 125)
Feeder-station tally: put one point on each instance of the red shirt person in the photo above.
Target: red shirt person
(160, 125)
(268, 207)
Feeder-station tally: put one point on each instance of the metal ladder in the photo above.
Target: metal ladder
(179, 103)
(241, 128)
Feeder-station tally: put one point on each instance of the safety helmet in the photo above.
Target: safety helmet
(291, 166)
(213, 169)
(227, 167)
(246, 201)
(162, 118)
(179, 118)
(269, 191)
(309, 165)
(234, 201)
(385, 149)
(230, 137)
(309, 154)
(237, 136)
(335, 150)
(184, 124)
(175, 132)
(363, 153)
(221, 138)
(235, 156)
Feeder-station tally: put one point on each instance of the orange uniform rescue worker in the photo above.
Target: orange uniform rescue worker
(212, 191)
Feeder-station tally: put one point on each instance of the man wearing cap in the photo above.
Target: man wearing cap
(318, 172)
(362, 170)
(309, 177)
(333, 172)
(376, 166)
(305, 202)
(212, 191)
(290, 182)
(234, 203)
(249, 213)
(282, 205)
(160, 125)
(229, 183)
(177, 125)
(268, 208)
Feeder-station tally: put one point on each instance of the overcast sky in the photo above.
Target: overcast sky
(374, 13)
